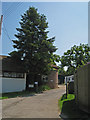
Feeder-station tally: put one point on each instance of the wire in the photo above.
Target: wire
(8, 9)
(6, 32)
(11, 11)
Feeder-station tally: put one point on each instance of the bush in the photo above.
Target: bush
(43, 88)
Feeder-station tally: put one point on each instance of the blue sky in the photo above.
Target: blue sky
(67, 21)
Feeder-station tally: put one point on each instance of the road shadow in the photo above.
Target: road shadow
(19, 94)
(70, 111)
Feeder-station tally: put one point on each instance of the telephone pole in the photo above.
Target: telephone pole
(89, 23)
(1, 19)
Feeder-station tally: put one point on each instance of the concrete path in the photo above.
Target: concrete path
(44, 105)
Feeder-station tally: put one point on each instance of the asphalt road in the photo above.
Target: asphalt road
(44, 105)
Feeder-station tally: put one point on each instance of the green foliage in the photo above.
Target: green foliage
(16, 94)
(3, 98)
(63, 99)
(33, 46)
(44, 88)
(74, 58)
(15, 55)
(61, 71)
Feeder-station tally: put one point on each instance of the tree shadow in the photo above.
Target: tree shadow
(70, 111)
(19, 94)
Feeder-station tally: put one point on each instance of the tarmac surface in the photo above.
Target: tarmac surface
(43, 105)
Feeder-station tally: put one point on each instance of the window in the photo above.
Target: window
(13, 75)
(20, 75)
(6, 74)
(45, 78)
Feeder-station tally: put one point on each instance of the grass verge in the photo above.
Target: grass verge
(16, 94)
(63, 99)
(24, 93)
(69, 109)
(3, 98)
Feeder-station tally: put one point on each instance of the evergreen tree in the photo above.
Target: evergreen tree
(33, 46)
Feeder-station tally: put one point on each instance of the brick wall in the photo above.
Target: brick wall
(53, 79)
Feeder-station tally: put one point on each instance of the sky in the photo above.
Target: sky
(67, 21)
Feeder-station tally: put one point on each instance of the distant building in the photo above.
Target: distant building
(69, 79)
(61, 79)
(52, 78)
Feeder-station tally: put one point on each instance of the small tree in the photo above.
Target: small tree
(33, 46)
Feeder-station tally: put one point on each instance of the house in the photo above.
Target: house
(12, 75)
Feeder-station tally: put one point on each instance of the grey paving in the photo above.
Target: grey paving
(44, 105)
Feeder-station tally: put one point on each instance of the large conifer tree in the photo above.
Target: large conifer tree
(33, 45)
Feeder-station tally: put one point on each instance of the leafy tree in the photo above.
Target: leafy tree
(33, 46)
(61, 71)
(74, 58)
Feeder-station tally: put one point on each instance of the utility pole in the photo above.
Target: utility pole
(1, 19)
(89, 23)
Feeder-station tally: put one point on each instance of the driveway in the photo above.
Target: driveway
(44, 105)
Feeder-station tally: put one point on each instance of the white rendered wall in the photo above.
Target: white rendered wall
(13, 84)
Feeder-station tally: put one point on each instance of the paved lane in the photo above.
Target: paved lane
(43, 105)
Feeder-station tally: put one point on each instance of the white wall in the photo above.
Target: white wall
(13, 84)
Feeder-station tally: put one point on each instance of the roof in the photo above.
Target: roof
(10, 65)
(55, 66)
(3, 56)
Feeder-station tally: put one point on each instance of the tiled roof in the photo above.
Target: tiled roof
(55, 66)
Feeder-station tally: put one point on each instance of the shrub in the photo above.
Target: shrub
(43, 88)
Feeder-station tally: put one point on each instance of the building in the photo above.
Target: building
(69, 79)
(52, 78)
(12, 75)
(3, 56)
(61, 79)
